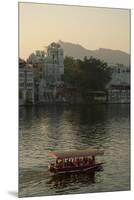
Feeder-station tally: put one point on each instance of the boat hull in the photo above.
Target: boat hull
(95, 167)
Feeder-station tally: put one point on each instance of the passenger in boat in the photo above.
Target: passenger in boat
(70, 163)
(78, 162)
(67, 163)
(61, 164)
(81, 162)
(90, 161)
(51, 165)
(57, 163)
(75, 162)
(93, 159)
(86, 161)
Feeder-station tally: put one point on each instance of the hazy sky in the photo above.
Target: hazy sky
(93, 28)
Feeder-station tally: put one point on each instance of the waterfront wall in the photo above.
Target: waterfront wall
(71, 96)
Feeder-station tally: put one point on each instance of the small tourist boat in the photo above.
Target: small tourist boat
(75, 161)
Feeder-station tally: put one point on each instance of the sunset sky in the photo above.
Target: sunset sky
(93, 28)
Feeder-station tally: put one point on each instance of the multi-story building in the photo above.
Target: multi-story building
(52, 81)
(26, 83)
(22, 64)
(54, 65)
(119, 86)
(37, 59)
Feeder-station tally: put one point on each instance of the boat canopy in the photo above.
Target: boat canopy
(76, 153)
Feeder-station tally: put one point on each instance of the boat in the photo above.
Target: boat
(75, 161)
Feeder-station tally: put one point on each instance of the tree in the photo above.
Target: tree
(87, 74)
(95, 74)
(72, 72)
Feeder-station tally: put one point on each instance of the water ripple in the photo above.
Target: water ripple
(44, 129)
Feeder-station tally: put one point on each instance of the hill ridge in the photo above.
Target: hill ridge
(108, 55)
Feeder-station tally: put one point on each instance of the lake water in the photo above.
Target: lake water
(50, 128)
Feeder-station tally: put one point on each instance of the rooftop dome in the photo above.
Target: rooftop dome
(55, 45)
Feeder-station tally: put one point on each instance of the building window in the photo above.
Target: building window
(21, 84)
(21, 75)
(20, 94)
(29, 84)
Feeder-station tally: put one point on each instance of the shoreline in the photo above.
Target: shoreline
(73, 104)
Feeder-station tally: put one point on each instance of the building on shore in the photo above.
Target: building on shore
(48, 72)
(54, 65)
(119, 86)
(26, 83)
(36, 57)
(37, 60)
(41, 80)
(52, 83)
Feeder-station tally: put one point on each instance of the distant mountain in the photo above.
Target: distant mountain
(108, 55)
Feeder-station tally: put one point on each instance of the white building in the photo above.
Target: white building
(119, 86)
(53, 73)
(26, 83)
(54, 65)
(36, 57)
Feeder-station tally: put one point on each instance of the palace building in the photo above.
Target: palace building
(54, 65)
(26, 83)
(119, 86)
(53, 72)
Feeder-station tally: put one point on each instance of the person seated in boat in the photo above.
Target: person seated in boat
(81, 162)
(67, 163)
(70, 163)
(51, 165)
(78, 162)
(57, 163)
(75, 162)
(93, 160)
(86, 161)
(64, 163)
(89, 161)
(61, 164)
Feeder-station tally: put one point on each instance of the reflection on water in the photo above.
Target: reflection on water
(61, 182)
(47, 128)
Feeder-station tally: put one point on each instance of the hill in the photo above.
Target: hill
(108, 55)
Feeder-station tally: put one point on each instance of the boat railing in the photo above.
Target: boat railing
(68, 164)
